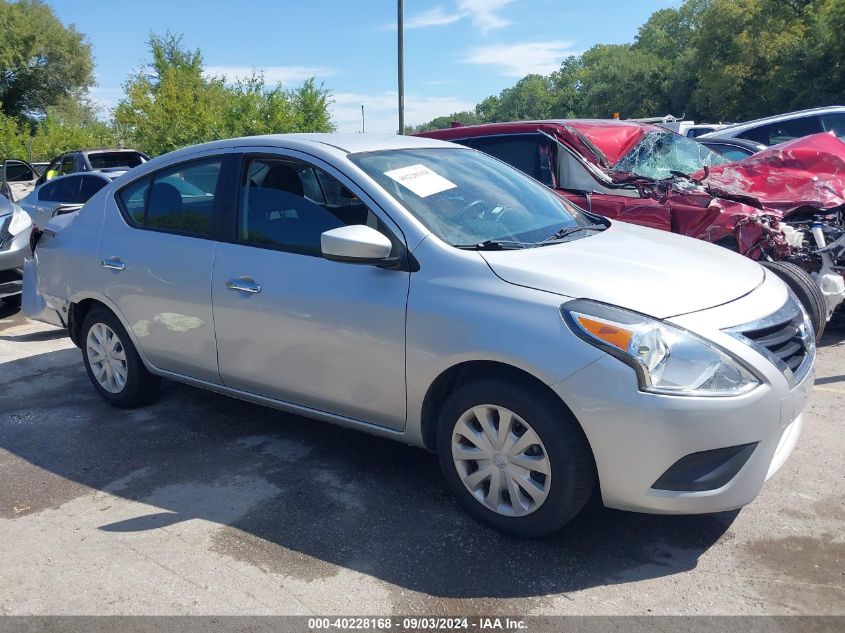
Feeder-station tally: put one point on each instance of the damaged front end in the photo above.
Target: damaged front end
(817, 241)
(797, 189)
(785, 203)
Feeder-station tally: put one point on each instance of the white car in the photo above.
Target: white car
(429, 293)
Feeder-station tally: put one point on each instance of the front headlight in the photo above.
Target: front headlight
(20, 221)
(667, 359)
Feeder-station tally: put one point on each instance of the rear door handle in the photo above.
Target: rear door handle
(243, 285)
(113, 263)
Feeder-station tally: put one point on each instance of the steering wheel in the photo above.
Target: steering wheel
(473, 209)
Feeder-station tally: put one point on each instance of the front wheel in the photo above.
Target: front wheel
(113, 363)
(805, 289)
(515, 458)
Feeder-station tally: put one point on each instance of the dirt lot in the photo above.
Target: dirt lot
(205, 505)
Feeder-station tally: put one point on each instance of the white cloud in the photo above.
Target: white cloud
(484, 15)
(520, 59)
(437, 16)
(272, 74)
(381, 110)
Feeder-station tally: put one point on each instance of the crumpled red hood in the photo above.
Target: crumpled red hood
(808, 171)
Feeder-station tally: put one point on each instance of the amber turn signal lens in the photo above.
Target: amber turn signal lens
(610, 334)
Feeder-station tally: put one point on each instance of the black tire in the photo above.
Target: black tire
(141, 386)
(13, 302)
(573, 475)
(805, 288)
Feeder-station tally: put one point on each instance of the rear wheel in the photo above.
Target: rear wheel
(515, 459)
(113, 363)
(805, 288)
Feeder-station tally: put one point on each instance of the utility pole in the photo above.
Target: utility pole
(401, 51)
(363, 129)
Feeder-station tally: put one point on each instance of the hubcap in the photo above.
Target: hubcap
(106, 357)
(501, 460)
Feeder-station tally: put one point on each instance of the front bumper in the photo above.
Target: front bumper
(637, 437)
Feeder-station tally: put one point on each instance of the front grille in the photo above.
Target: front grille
(785, 338)
(5, 236)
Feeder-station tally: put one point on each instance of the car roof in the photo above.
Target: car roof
(336, 144)
(612, 137)
(736, 128)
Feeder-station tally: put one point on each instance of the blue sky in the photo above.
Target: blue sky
(456, 51)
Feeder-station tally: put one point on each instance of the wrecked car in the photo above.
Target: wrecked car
(782, 207)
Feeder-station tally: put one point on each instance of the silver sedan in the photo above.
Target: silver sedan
(65, 194)
(429, 293)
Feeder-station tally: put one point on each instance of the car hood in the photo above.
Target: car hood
(806, 172)
(648, 271)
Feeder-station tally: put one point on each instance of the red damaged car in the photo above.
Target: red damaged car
(784, 206)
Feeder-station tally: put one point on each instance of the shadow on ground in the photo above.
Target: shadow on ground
(283, 486)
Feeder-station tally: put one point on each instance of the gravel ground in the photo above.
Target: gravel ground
(202, 504)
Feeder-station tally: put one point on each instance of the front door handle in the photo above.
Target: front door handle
(243, 285)
(113, 263)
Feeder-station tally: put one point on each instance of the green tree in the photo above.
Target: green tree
(173, 103)
(68, 126)
(620, 78)
(530, 98)
(442, 122)
(13, 140)
(311, 108)
(42, 61)
(745, 58)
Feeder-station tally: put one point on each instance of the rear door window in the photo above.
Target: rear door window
(61, 190)
(179, 199)
(784, 131)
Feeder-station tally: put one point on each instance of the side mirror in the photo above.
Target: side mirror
(357, 243)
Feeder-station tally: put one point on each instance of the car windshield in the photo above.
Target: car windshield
(658, 154)
(469, 198)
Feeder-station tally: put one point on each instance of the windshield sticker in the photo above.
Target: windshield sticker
(420, 180)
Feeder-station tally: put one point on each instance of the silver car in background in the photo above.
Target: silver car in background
(15, 230)
(429, 293)
(781, 128)
(65, 194)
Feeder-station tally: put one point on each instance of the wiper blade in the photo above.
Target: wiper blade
(569, 230)
(494, 245)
